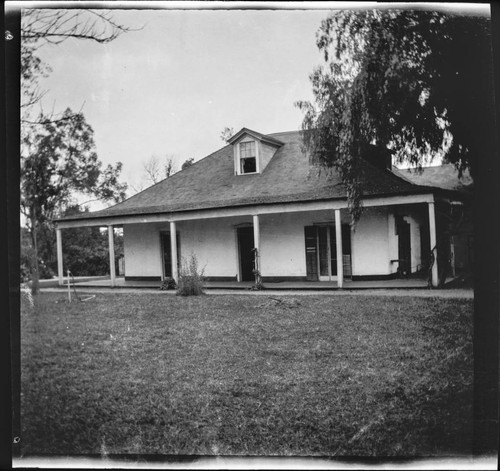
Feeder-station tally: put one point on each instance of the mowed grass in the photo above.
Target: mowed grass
(247, 375)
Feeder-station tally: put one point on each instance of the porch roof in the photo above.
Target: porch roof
(288, 178)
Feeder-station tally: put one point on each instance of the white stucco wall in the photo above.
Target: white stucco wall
(141, 245)
(282, 251)
(214, 243)
(370, 243)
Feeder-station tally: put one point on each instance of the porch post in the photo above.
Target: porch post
(173, 251)
(452, 256)
(111, 239)
(256, 239)
(60, 273)
(338, 240)
(433, 241)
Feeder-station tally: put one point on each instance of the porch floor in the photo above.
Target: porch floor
(400, 283)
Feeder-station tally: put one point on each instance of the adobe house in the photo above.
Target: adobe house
(260, 191)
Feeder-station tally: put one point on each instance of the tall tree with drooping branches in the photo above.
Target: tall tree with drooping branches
(417, 83)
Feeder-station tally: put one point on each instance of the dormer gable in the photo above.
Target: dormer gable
(252, 151)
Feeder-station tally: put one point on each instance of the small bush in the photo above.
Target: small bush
(168, 283)
(190, 277)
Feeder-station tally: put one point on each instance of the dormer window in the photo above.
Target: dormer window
(248, 157)
(252, 151)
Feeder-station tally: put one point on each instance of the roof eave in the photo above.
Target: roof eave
(418, 190)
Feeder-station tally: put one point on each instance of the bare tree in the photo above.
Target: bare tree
(53, 26)
(155, 170)
(152, 169)
(226, 134)
(169, 167)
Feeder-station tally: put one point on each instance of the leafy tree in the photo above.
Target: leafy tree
(58, 162)
(417, 83)
(86, 249)
(187, 163)
(57, 150)
(28, 257)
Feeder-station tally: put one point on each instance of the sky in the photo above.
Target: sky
(171, 87)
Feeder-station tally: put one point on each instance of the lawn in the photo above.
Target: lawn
(246, 375)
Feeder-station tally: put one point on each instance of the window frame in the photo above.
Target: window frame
(240, 159)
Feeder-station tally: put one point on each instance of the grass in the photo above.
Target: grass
(247, 375)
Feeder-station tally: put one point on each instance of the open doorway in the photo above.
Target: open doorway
(245, 251)
(166, 251)
(404, 246)
(321, 252)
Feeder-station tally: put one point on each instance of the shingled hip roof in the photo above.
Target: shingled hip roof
(289, 177)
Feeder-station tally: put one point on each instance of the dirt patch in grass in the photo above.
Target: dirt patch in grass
(247, 375)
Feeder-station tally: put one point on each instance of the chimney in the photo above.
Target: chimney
(378, 156)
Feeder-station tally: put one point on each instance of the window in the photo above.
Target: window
(248, 159)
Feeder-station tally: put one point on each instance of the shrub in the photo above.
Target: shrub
(168, 283)
(190, 277)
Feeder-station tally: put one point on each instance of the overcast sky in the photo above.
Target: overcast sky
(173, 86)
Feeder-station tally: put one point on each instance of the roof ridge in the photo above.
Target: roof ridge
(447, 164)
(284, 132)
(398, 173)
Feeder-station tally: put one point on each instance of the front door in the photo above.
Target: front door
(321, 252)
(311, 253)
(404, 247)
(325, 252)
(245, 248)
(166, 250)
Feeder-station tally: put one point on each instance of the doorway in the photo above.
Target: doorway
(166, 251)
(245, 251)
(321, 252)
(404, 246)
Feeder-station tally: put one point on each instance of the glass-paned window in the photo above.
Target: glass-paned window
(248, 160)
(248, 165)
(247, 149)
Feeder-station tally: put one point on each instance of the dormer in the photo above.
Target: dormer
(252, 151)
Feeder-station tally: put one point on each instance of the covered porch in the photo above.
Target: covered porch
(299, 245)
